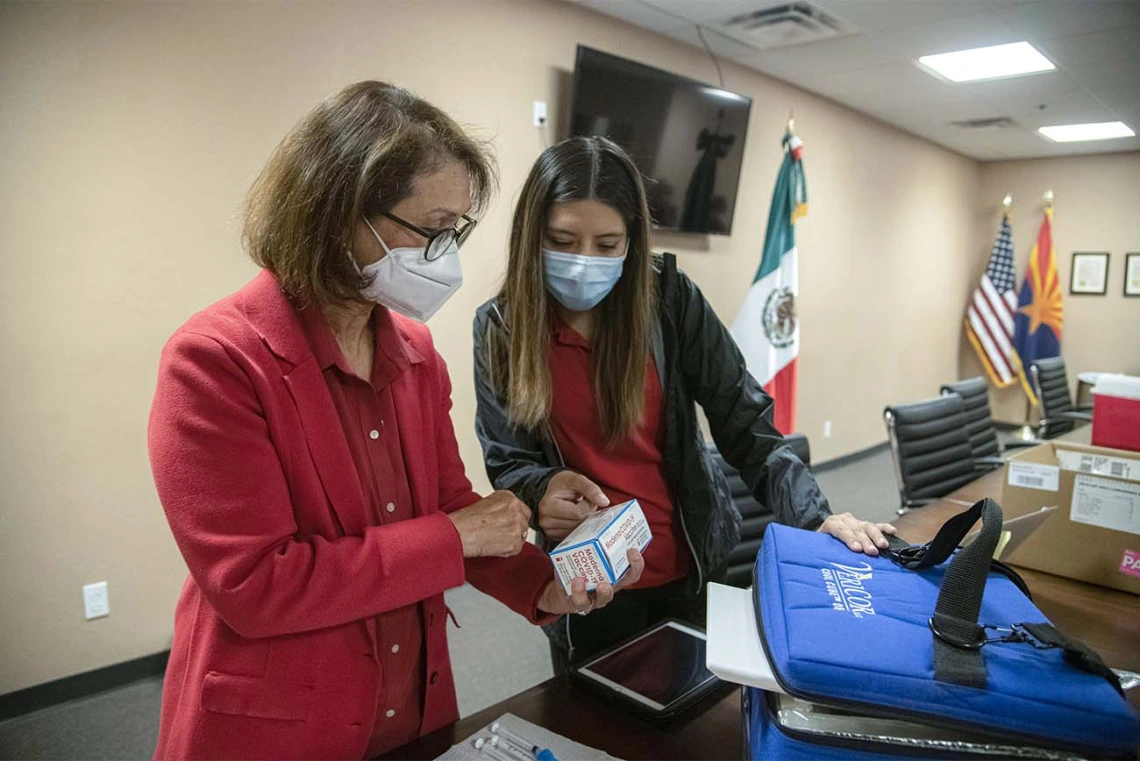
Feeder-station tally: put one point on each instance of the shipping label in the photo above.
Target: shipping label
(1106, 503)
(1033, 475)
(1099, 465)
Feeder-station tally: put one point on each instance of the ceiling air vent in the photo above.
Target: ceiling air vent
(990, 123)
(782, 25)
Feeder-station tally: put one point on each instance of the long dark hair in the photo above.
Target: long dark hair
(578, 169)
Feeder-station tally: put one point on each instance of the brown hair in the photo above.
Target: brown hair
(356, 154)
(582, 168)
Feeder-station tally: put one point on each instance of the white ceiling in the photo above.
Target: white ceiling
(1094, 43)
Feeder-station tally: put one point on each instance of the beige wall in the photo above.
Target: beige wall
(1096, 206)
(129, 133)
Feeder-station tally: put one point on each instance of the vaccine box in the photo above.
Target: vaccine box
(596, 550)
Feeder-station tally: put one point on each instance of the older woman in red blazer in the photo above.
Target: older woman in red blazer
(303, 451)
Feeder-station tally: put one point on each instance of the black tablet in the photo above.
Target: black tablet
(660, 672)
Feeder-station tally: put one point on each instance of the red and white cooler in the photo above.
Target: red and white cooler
(1116, 412)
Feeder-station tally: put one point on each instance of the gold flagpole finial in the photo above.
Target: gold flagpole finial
(792, 121)
(1049, 199)
(1006, 203)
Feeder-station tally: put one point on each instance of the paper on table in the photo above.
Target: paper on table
(562, 748)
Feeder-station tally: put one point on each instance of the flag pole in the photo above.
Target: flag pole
(1027, 433)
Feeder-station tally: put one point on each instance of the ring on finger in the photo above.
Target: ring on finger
(592, 595)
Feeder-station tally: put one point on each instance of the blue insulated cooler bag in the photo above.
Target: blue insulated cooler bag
(908, 655)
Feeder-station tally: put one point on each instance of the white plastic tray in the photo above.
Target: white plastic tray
(734, 651)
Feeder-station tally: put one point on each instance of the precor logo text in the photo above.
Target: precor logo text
(846, 586)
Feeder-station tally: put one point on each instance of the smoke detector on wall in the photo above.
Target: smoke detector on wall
(783, 25)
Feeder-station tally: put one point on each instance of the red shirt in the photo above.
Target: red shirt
(368, 418)
(634, 469)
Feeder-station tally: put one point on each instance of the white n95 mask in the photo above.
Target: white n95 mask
(406, 282)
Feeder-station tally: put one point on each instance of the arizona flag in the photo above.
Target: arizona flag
(766, 328)
(1040, 314)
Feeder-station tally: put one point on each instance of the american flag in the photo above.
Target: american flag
(989, 318)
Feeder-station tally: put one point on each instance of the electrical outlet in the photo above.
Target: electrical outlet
(95, 601)
(540, 113)
(827, 429)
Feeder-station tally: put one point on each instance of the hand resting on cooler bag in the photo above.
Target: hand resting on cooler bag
(859, 536)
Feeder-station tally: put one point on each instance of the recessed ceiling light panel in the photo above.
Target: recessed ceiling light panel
(1075, 133)
(994, 62)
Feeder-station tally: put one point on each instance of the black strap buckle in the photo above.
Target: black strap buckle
(1017, 633)
(960, 641)
(981, 636)
(908, 557)
(1005, 633)
(1044, 636)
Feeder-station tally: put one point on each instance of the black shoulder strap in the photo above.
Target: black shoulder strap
(957, 636)
(1075, 653)
(941, 547)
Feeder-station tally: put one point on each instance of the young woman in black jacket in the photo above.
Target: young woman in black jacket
(588, 367)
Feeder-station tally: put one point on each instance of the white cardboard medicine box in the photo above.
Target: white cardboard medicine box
(596, 550)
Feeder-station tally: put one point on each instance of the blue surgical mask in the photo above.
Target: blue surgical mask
(581, 282)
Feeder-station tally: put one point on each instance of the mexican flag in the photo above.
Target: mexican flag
(767, 329)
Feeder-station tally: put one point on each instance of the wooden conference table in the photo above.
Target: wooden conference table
(1105, 619)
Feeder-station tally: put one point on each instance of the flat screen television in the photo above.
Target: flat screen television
(686, 137)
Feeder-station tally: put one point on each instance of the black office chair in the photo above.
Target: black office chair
(1058, 416)
(755, 517)
(987, 446)
(931, 449)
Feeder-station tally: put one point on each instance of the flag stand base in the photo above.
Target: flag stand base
(1026, 433)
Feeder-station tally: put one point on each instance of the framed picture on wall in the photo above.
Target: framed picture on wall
(1089, 275)
(1132, 274)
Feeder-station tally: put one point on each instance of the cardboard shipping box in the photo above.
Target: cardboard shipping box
(1094, 535)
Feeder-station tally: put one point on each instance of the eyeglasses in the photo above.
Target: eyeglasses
(440, 241)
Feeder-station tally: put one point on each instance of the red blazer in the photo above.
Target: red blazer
(274, 634)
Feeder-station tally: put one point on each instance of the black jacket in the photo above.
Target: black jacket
(698, 363)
